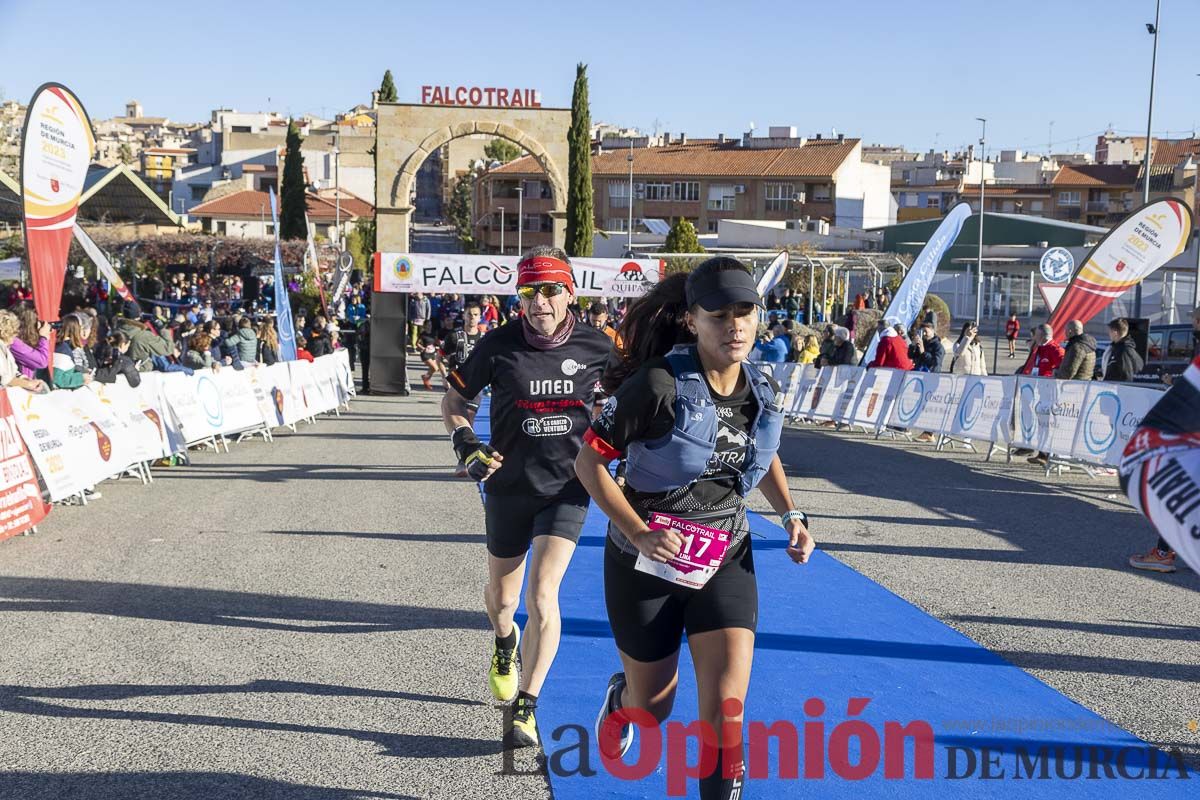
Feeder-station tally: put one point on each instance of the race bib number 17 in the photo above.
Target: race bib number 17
(699, 558)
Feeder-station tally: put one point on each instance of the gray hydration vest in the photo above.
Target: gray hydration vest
(682, 455)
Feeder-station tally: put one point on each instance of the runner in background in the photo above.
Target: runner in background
(542, 371)
(597, 317)
(456, 349)
(431, 357)
(699, 426)
(1012, 329)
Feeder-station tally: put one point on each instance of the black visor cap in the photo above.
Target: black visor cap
(712, 291)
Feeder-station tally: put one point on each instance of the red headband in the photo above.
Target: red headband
(545, 269)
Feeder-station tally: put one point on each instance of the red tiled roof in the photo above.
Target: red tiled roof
(351, 204)
(169, 151)
(250, 203)
(1097, 175)
(1169, 152)
(815, 159)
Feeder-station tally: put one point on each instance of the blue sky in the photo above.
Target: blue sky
(914, 74)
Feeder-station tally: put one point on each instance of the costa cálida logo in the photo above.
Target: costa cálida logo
(102, 442)
(871, 403)
(816, 398)
(277, 396)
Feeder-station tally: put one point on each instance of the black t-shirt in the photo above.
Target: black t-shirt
(541, 406)
(459, 345)
(429, 347)
(644, 409)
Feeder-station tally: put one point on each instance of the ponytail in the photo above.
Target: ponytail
(652, 326)
(658, 322)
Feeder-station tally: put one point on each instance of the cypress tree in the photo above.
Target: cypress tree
(580, 221)
(387, 89)
(291, 193)
(682, 238)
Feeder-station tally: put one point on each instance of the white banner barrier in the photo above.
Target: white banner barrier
(835, 387)
(874, 397)
(923, 401)
(142, 414)
(806, 387)
(1046, 413)
(80, 437)
(75, 440)
(1111, 415)
(984, 411)
(1090, 421)
(211, 403)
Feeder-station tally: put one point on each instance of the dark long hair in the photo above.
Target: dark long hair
(963, 334)
(657, 322)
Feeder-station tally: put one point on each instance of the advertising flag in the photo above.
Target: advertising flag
(908, 299)
(1148, 238)
(773, 274)
(283, 305)
(102, 263)
(56, 147)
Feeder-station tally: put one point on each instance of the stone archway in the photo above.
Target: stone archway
(408, 134)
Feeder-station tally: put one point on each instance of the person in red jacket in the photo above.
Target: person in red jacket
(892, 350)
(301, 352)
(1046, 354)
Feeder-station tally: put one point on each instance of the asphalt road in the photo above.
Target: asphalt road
(427, 238)
(301, 620)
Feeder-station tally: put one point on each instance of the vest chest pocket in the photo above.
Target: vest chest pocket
(679, 457)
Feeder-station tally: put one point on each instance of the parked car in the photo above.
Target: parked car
(1169, 350)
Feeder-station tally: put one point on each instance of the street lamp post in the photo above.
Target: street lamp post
(337, 193)
(520, 217)
(1152, 29)
(501, 229)
(629, 232)
(979, 262)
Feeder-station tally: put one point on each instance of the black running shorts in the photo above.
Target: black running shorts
(513, 520)
(649, 615)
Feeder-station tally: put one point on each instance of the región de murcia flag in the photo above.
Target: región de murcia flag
(56, 148)
(1160, 470)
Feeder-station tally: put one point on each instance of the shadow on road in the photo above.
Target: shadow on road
(1048, 523)
(438, 538)
(173, 785)
(276, 473)
(231, 609)
(36, 701)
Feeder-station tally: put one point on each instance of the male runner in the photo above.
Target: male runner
(542, 370)
(456, 349)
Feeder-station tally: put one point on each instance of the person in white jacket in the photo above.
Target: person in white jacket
(968, 352)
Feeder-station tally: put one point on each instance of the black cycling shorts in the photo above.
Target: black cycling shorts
(649, 615)
(513, 520)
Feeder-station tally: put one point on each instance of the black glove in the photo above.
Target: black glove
(476, 455)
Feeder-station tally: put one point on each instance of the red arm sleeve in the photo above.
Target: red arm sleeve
(592, 439)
